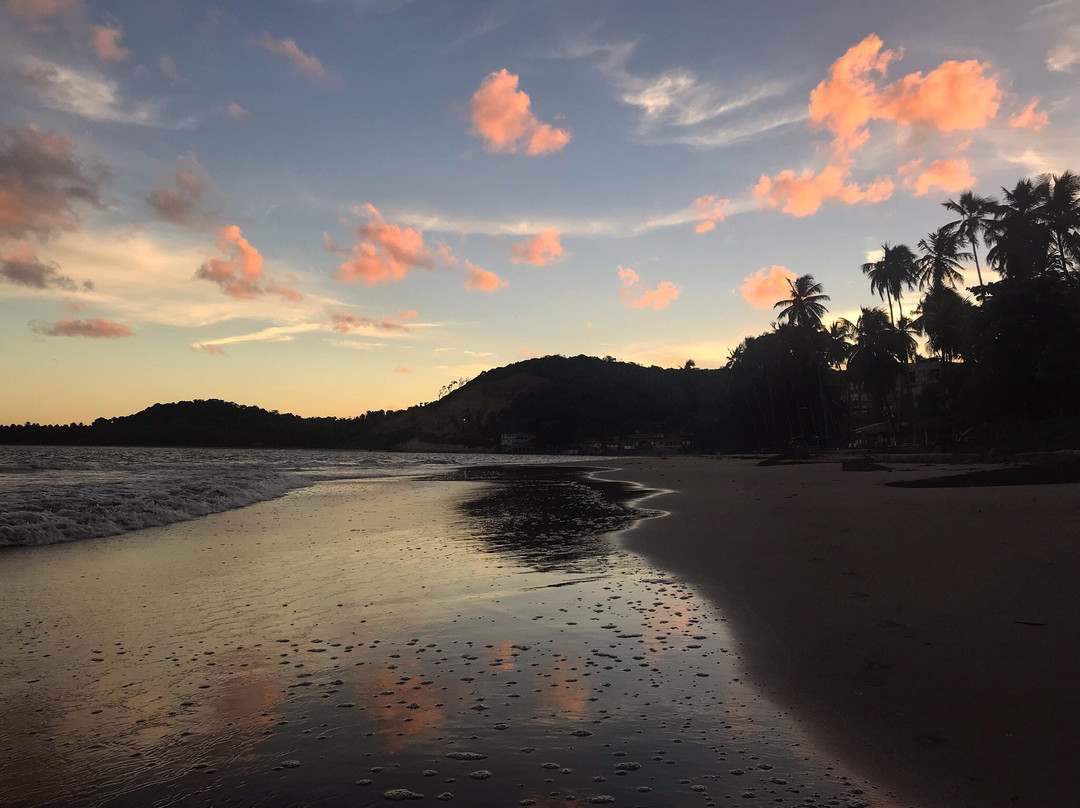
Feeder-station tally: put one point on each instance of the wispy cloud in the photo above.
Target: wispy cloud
(303, 64)
(89, 94)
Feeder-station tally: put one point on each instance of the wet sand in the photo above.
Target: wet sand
(930, 636)
(483, 642)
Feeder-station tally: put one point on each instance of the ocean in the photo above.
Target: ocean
(372, 628)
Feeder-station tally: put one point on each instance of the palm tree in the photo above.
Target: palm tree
(1060, 210)
(891, 274)
(945, 318)
(974, 212)
(878, 356)
(805, 307)
(1018, 237)
(940, 264)
(838, 347)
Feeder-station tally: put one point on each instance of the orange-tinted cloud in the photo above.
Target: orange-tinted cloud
(407, 314)
(387, 252)
(94, 328)
(803, 194)
(945, 175)
(37, 10)
(210, 348)
(501, 116)
(106, 42)
(346, 323)
(182, 203)
(446, 255)
(43, 183)
(954, 96)
(657, 298)
(302, 63)
(402, 369)
(710, 210)
(540, 250)
(478, 279)
(236, 112)
(1029, 117)
(766, 286)
(239, 272)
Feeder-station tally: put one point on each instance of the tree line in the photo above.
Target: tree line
(1008, 350)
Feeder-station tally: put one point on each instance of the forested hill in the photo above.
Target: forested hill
(563, 401)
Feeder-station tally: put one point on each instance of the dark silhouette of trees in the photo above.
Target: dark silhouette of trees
(1060, 211)
(891, 274)
(806, 305)
(940, 262)
(975, 213)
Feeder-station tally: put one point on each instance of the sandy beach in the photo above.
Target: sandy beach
(929, 636)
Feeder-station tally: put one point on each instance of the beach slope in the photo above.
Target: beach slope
(930, 636)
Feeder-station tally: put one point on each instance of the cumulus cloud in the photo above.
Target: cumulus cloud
(1030, 117)
(710, 211)
(386, 252)
(19, 264)
(106, 42)
(183, 202)
(95, 328)
(302, 63)
(43, 184)
(501, 115)
(236, 112)
(766, 286)
(478, 279)
(239, 270)
(945, 175)
(954, 96)
(542, 249)
(803, 194)
(645, 298)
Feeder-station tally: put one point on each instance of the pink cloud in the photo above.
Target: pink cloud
(446, 255)
(768, 285)
(1029, 117)
(346, 323)
(106, 42)
(386, 253)
(478, 279)
(236, 112)
(501, 116)
(407, 314)
(954, 96)
(36, 10)
(803, 194)
(240, 272)
(657, 298)
(945, 175)
(287, 292)
(303, 64)
(710, 211)
(209, 348)
(402, 369)
(540, 250)
(95, 328)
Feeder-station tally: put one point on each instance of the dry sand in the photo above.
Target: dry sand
(930, 636)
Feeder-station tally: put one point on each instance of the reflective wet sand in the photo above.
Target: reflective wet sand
(476, 640)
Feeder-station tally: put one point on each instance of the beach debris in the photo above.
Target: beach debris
(480, 774)
(291, 764)
(401, 794)
(445, 796)
(467, 756)
(581, 733)
(602, 799)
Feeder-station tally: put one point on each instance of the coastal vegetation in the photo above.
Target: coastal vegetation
(1004, 352)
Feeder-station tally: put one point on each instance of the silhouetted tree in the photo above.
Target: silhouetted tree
(806, 306)
(891, 274)
(975, 213)
(939, 264)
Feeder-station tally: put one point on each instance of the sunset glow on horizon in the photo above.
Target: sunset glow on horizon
(330, 206)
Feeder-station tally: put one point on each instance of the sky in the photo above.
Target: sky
(332, 206)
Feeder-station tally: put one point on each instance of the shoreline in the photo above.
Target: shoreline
(930, 637)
